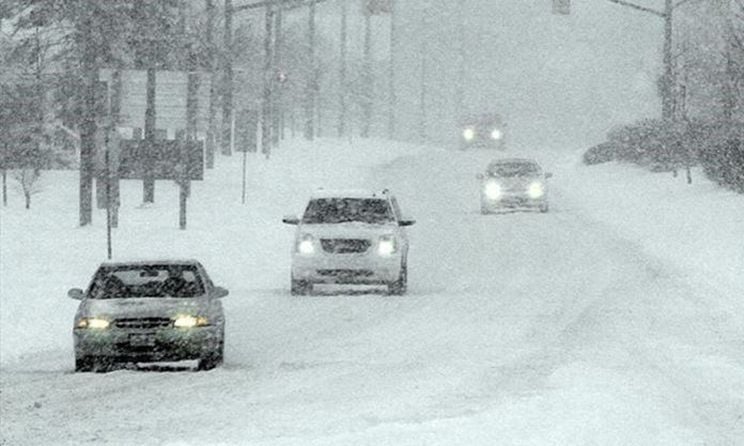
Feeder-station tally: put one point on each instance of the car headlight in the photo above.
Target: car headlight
(387, 245)
(536, 190)
(492, 190)
(496, 134)
(188, 321)
(93, 323)
(306, 245)
(468, 134)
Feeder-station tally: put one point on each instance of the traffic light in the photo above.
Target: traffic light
(562, 7)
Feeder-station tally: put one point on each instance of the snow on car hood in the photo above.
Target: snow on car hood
(347, 230)
(142, 307)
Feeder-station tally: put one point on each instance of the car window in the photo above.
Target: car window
(156, 280)
(344, 210)
(513, 169)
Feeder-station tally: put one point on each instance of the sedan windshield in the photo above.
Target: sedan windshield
(343, 210)
(152, 280)
(513, 169)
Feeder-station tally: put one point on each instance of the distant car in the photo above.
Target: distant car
(486, 130)
(350, 237)
(514, 183)
(149, 311)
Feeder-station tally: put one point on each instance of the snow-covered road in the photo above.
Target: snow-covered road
(521, 328)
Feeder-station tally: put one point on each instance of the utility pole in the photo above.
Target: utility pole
(667, 77)
(309, 131)
(367, 76)
(342, 71)
(227, 92)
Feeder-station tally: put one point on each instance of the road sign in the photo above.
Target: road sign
(161, 159)
(171, 88)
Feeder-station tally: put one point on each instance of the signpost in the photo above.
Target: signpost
(162, 103)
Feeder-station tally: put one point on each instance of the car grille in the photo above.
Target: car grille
(348, 273)
(143, 322)
(345, 245)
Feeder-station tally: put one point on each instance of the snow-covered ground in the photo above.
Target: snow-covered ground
(617, 318)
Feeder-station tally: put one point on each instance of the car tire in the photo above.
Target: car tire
(301, 288)
(84, 364)
(101, 364)
(213, 358)
(399, 287)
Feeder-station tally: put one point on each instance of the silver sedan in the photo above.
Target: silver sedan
(149, 311)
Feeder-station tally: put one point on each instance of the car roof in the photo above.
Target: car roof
(514, 161)
(153, 261)
(481, 118)
(349, 193)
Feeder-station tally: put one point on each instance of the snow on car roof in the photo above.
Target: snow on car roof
(513, 160)
(348, 193)
(149, 261)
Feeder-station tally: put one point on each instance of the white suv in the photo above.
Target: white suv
(350, 237)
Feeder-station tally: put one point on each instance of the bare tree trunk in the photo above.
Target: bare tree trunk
(266, 103)
(148, 184)
(393, 99)
(5, 187)
(367, 74)
(227, 93)
(211, 121)
(88, 124)
(309, 105)
(342, 71)
(276, 91)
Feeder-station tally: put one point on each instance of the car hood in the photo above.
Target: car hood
(352, 230)
(142, 307)
(516, 182)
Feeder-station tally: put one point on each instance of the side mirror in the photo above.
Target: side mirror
(548, 174)
(76, 293)
(219, 292)
(406, 222)
(291, 220)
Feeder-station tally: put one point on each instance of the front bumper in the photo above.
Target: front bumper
(167, 344)
(482, 143)
(361, 269)
(513, 201)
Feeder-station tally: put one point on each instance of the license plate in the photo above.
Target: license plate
(142, 339)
